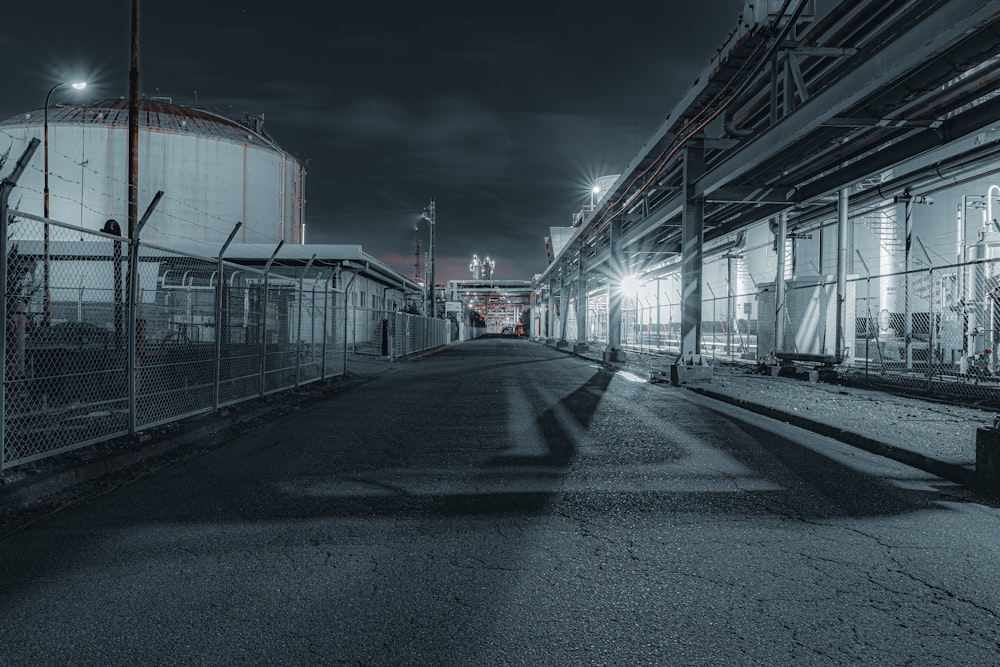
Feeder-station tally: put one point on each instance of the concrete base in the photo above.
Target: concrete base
(562, 344)
(691, 368)
(827, 374)
(813, 376)
(614, 355)
(988, 460)
(579, 348)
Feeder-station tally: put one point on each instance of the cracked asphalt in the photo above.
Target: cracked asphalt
(502, 503)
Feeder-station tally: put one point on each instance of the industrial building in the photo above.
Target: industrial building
(823, 194)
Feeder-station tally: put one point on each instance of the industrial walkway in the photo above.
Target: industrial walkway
(499, 502)
(935, 436)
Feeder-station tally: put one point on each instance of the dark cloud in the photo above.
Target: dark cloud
(505, 113)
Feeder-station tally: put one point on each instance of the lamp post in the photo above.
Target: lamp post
(78, 85)
(596, 190)
(429, 214)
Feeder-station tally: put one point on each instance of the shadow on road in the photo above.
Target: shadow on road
(560, 436)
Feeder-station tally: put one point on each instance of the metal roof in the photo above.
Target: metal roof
(156, 114)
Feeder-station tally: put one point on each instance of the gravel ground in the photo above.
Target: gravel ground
(936, 429)
(943, 431)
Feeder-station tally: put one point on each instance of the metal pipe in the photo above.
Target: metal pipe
(990, 220)
(959, 247)
(659, 324)
(842, 231)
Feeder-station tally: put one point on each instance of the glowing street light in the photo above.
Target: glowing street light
(77, 85)
(596, 190)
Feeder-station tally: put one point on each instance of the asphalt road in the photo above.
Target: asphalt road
(504, 503)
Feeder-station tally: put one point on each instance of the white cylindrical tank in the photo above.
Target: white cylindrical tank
(213, 171)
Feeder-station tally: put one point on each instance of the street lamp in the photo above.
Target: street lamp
(429, 214)
(78, 85)
(596, 190)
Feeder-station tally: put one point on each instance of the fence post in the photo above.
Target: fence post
(133, 310)
(347, 290)
(298, 345)
(263, 321)
(930, 308)
(326, 316)
(6, 186)
(868, 309)
(219, 292)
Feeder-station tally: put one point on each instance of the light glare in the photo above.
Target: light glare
(630, 285)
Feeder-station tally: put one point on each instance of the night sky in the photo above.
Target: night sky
(504, 112)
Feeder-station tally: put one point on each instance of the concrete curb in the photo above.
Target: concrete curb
(951, 471)
(960, 474)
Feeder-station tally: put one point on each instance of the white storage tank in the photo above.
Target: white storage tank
(214, 171)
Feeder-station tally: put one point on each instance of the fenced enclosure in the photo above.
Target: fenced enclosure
(934, 329)
(85, 363)
(394, 334)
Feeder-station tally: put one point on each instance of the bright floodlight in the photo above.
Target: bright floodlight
(630, 285)
(596, 189)
(79, 85)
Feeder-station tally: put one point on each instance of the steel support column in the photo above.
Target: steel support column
(907, 314)
(780, 239)
(614, 351)
(550, 319)
(730, 300)
(581, 305)
(563, 308)
(692, 250)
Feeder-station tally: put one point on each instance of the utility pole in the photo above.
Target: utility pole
(430, 215)
(133, 127)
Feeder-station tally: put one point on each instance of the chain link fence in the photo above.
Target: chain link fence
(84, 365)
(934, 330)
(728, 333)
(395, 334)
